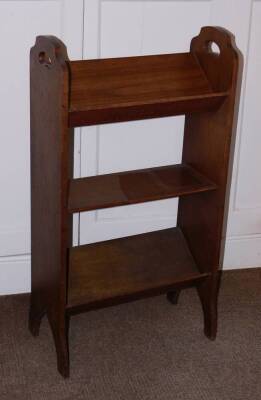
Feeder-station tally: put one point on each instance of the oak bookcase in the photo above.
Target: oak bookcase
(201, 84)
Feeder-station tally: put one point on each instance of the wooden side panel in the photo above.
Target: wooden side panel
(206, 148)
(50, 170)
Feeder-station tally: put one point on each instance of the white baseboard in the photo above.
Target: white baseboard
(15, 274)
(240, 252)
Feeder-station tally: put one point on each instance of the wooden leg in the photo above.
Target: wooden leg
(173, 296)
(208, 294)
(36, 314)
(60, 328)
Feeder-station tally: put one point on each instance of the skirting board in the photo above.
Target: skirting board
(240, 252)
(15, 274)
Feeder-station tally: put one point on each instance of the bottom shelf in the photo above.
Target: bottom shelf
(129, 268)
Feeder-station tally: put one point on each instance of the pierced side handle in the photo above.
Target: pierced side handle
(217, 54)
(44, 59)
(212, 34)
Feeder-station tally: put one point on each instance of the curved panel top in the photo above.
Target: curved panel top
(218, 66)
(49, 51)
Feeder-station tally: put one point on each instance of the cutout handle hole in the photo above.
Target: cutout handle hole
(213, 48)
(44, 59)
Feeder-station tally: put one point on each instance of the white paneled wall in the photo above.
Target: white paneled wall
(248, 194)
(109, 28)
(135, 28)
(20, 22)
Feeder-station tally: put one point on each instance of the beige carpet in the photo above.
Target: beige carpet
(147, 350)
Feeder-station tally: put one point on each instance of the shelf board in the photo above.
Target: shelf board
(124, 89)
(130, 268)
(132, 187)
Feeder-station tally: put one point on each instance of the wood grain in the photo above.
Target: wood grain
(201, 84)
(121, 89)
(134, 187)
(129, 268)
(51, 167)
(207, 147)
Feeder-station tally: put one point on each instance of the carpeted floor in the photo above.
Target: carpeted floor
(147, 350)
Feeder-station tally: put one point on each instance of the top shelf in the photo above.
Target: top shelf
(132, 88)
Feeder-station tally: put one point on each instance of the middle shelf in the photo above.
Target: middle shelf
(138, 186)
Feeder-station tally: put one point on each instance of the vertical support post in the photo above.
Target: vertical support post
(51, 167)
(207, 143)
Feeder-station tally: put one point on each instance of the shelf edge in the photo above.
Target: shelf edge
(77, 307)
(181, 106)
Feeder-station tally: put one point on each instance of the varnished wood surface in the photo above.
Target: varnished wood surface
(150, 263)
(132, 187)
(51, 167)
(121, 89)
(201, 84)
(207, 147)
